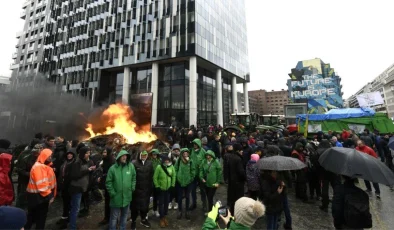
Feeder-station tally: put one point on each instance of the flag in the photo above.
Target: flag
(306, 126)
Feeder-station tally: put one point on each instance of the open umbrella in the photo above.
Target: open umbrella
(353, 163)
(280, 163)
(391, 143)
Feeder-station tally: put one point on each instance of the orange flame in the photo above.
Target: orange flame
(119, 121)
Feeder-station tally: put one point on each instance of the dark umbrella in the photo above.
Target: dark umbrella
(353, 163)
(280, 163)
(391, 143)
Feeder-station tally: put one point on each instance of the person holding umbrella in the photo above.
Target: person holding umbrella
(365, 149)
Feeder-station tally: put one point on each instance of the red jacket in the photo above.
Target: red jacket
(6, 190)
(367, 150)
(345, 135)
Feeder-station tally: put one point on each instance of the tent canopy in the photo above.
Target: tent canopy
(335, 114)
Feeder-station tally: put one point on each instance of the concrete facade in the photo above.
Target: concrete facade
(270, 102)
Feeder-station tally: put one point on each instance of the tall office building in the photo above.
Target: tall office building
(29, 49)
(190, 54)
(316, 83)
(270, 102)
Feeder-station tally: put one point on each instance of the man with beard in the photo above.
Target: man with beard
(236, 176)
(143, 189)
(23, 167)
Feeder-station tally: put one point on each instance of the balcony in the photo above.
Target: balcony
(14, 66)
(25, 4)
(23, 14)
(14, 55)
(19, 34)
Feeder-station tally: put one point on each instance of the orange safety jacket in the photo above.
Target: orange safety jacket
(42, 177)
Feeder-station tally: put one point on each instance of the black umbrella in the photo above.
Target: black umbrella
(353, 163)
(280, 163)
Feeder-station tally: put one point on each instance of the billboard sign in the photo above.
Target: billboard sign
(370, 99)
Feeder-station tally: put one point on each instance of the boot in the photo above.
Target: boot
(166, 221)
(162, 223)
(179, 215)
(187, 216)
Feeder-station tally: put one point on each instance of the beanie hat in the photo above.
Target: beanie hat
(12, 218)
(247, 211)
(4, 144)
(82, 152)
(164, 158)
(204, 140)
(185, 150)
(255, 157)
(237, 147)
(176, 146)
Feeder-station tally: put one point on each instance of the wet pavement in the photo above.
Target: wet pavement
(304, 215)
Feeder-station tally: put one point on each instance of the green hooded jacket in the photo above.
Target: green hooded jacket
(197, 156)
(155, 162)
(210, 172)
(211, 224)
(185, 172)
(120, 182)
(161, 180)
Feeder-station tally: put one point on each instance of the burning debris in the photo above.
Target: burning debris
(118, 120)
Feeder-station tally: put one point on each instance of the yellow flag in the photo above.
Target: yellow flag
(306, 126)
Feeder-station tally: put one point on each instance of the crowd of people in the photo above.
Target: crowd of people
(200, 161)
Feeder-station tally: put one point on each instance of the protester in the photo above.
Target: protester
(120, 183)
(298, 153)
(335, 142)
(174, 156)
(185, 172)
(197, 155)
(210, 175)
(271, 191)
(41, 190)
(253, 177)
(6, 186)
(236, 176)
(164, 179)
(365, 149)
(143, 188)
(108, 161)
(156, 161)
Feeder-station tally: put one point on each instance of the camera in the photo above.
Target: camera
(222, 210)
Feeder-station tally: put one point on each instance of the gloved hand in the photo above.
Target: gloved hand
(213, 214)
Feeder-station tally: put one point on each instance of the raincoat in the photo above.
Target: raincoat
(212, 174)
(161, 180)
(6, 190)
(120, 182)
(211, 224)
(155, 162)
(185, 172)
(197, 156)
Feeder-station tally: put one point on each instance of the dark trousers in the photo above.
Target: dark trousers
(37, 215)
(21, 199)
(253, 194)
(174, 194)
(85, 200)
(210, 191)
(375, 185)
(66, 197)
(164, 197)
(155, 198)
(301, 190)
(107, 209)
(272, 221)
(184, 192)
(202, 193)
(325, 189)
(286, 210)
(139, 206)
(314, 185)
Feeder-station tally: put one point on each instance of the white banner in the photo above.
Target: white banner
(370, 99)
(357, 128)
(314, 128)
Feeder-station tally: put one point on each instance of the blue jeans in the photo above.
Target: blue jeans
(272, 222)
(75, 203)
(286, 210)
(115, 213)
(183, 190)
(164, 198)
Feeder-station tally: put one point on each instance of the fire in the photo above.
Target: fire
(119, 120)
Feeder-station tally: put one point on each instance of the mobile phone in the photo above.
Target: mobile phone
(223, 211)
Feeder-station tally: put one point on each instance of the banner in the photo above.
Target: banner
(314, 128)
(356, 128)
(370, 99)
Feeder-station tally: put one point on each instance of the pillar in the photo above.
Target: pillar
(246, 97)
(219, 97)
(234, 93)
(155, 92)
(193, 91)
(93, 98)
(126, 85)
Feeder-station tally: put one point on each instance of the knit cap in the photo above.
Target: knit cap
(12, 218)
(204, 140)
(247, 211)
(255, 157)
(176, 146)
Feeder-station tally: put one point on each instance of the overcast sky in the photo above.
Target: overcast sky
(355, 36)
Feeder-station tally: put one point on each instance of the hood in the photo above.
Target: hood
(155, 151)
(73, 151)
(4, 144)
(122, 153)
(44, 154)
(211, 153)
(82, 151)
(141, 153)
(185, 150)
(197, 142)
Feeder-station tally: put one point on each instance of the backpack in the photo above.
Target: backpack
(356, 210)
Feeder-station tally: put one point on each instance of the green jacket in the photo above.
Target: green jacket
(198, 156)
(120, 182)
(161, 180)
(212, 174)
(155, 162)
(185, 173)
(210, 224)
